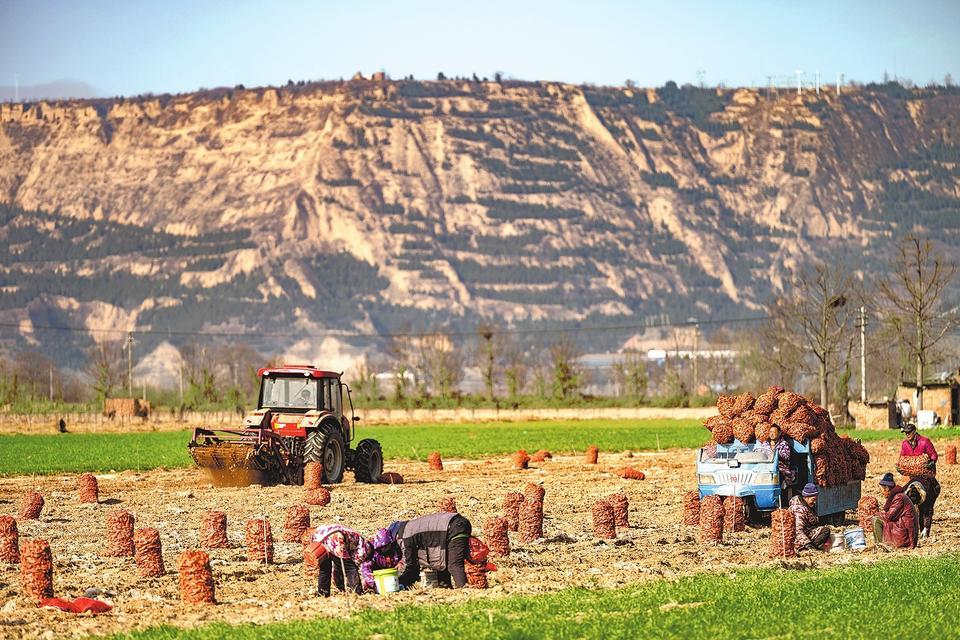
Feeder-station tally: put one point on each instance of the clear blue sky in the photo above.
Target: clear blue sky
(129, 47)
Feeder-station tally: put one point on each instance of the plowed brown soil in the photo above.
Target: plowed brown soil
(174, 502)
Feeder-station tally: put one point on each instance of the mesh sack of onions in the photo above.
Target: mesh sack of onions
(783, 534)
(711, 520)
(867, 508)
(691, 508)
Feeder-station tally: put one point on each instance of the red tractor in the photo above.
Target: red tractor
(299, 419)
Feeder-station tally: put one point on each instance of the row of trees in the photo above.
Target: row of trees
(811, 333)
(814, 326)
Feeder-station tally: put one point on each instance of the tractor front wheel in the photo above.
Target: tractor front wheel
(368, 461)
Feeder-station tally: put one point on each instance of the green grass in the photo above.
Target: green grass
(52, 453)
(903, 598)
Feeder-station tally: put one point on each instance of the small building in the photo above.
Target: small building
(940, 395)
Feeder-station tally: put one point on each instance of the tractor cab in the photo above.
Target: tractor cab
(294, 397)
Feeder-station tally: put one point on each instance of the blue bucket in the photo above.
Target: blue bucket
(855, 539)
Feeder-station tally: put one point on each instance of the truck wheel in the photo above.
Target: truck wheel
(368, 461)
(332, 453)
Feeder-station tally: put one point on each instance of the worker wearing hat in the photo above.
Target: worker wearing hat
(915, 444)
(810, 535)
(896, 524)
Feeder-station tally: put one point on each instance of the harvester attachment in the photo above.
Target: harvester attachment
(241, 457)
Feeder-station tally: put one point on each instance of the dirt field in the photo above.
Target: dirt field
(654, 547)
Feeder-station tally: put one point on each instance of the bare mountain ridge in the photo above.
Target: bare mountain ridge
(441, 203)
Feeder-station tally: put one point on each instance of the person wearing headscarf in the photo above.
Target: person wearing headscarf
(345, 551)
(386, 554)
(897, 524)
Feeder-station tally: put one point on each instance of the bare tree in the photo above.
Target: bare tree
(105, 365)
(814, 317)
(567, 375)
(514, 370)
(441, 364)
(631, 376)
(915, 305)
(488, 356)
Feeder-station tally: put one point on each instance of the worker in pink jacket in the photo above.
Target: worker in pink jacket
(915, 444)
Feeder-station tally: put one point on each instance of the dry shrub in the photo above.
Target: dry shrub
(31, 505)
(259, 540)
(434, 461)
(296, 523)
(119, 534)
(213, 530)
(512, 504)
(621, 509)
(312, 475)
(317, 497)
(149, 554)
(9, 540)
(867, 508)
(36, 569)
(87, 488)
(196, 578)
(711, 520)
(783, 534)
(691, 508)
(734, 514)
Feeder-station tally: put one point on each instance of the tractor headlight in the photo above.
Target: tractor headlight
(764, 478)
(706, 478)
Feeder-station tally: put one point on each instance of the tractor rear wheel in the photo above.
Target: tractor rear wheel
(368, 461)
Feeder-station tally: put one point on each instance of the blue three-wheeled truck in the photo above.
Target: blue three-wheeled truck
(750, 472)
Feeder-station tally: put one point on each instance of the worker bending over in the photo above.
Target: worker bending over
(342, 552)
(386, 554)
(804, 509)
(439, 541)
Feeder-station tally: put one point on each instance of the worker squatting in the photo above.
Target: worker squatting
(906, 515)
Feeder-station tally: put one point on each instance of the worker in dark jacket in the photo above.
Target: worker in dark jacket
(896, 525)
(440, 541)
(804, 509)
(914, 445)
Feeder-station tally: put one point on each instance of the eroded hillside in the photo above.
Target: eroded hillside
(370, 206)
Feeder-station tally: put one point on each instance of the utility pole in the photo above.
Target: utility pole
(863, 355)
(130, 363)
(181, 381)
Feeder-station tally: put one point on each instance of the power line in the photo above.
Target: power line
(404, 334)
